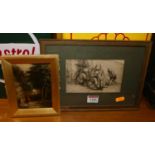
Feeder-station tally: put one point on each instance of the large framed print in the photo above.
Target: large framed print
(97, 75)
(32, 84)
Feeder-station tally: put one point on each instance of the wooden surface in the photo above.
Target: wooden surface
(143, 114)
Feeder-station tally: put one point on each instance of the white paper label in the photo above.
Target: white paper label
(92, 99)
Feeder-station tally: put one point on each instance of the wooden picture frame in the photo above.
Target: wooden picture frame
(32, 84)
(135, 55)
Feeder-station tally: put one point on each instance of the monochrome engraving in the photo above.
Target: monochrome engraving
(94, 76)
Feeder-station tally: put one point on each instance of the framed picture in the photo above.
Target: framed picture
(97, 75)
(32, 84)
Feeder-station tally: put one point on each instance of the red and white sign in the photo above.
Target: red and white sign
(92, 99)
(21, 48)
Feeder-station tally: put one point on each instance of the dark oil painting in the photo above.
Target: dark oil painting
(33, 85)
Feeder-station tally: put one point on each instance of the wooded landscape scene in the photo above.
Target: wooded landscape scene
(33, 85)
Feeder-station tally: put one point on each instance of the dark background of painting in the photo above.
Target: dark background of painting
(19, 38)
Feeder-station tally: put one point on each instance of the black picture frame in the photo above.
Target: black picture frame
(135, 54)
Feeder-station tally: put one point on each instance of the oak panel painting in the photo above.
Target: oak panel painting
(33, 85)
(94, 76)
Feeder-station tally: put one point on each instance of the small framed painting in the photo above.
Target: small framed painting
(97, 75)
(32, 84)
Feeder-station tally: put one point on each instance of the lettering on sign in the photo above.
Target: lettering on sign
(18, 51)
